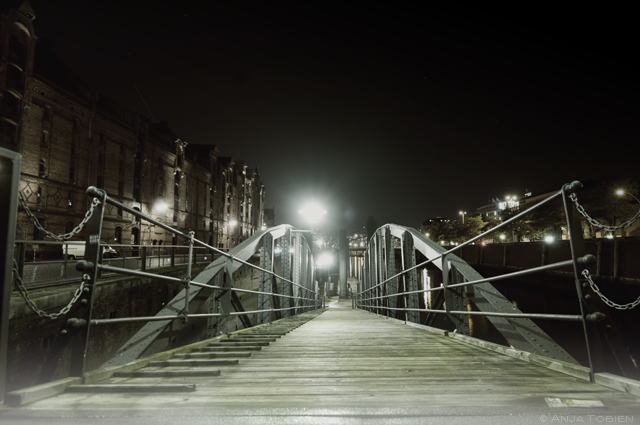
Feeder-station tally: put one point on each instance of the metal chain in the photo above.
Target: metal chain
(65, 236)
(32, 304)
(606, 300)
(595, 223)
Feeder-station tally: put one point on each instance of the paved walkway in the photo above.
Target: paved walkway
(346, 366)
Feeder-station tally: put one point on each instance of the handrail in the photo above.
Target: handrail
(374, 298)
(470, 241)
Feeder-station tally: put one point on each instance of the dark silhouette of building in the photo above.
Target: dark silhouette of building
(71, 137)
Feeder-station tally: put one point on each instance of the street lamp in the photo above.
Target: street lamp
(313, 213)
(462, 213)
(622, 192)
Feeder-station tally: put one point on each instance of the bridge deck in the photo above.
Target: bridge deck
(347, 358)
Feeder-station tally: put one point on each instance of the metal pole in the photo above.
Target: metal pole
(188, 279)
(10, 163)
(578, 250)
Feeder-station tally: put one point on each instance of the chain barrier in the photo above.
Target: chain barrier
(606, 300)
(595, 222)
(32, 305)
(65, 236)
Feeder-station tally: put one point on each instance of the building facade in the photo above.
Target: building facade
(71, 137)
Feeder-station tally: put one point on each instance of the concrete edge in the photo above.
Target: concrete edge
(627, 385)
(23, 396)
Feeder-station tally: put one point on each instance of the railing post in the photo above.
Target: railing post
(78, 326)
(187, 279)
(591, 301)
(10, 163)
(65, 252)
(143, 259)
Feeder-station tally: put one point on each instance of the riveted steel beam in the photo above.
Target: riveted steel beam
(522, 334)
(380, 273)
(285, 263)
(392, 285)
(266, 263)
(410, 278)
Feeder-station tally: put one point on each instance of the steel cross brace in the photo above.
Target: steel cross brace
(522, 334)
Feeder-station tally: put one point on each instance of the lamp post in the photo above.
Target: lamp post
(231, 225)
(622, 192)
(462, 213)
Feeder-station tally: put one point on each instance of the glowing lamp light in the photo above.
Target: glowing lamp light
(502, 237)
(549, 239)
(325, 260)
(620, 192)
(313, 213)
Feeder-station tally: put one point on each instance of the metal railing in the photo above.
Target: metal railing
(387, 292)
(296, 292)
(35, 272)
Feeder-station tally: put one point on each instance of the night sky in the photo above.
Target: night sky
(396, 111)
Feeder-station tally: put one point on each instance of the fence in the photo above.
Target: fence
(396, 294)
(290, 292)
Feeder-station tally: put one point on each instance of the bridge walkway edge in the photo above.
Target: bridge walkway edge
(348, 358)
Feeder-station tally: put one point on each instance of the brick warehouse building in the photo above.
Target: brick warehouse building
(72, 137)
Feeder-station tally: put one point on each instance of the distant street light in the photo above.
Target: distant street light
(622, 192)
(313, 213)
(462, 213)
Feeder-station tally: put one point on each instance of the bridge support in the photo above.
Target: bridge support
(343, 260)
(266, 262)
(285, 265)
(410, 278)
(392, 285)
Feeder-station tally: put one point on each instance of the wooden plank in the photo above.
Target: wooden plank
(350, 358)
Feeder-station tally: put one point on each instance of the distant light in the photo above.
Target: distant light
(361, 243)
(313, 213)
(483, 244)
(549, 239)
(620, 192)
(233, 223)
(609, 236)
(325, 260)
(502, 237)
(161, 206)
(278, 250)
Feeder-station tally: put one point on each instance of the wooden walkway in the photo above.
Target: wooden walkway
(341, 358)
